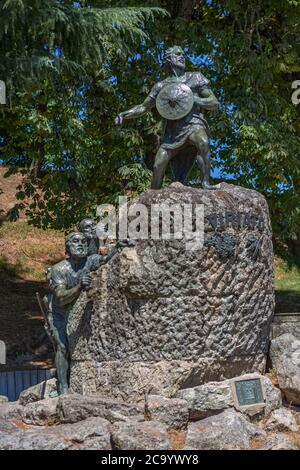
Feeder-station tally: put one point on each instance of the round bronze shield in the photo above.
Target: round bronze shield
(175, 101)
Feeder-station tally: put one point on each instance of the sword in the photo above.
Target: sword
(45, 311)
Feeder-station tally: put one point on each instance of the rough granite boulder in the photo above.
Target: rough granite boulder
(281, 420)
(214, 397)
(91, 434)
(150, 435)
(286, 323)
(46, 389)
(74, 408)
(278, 442)
(285, 358)
(11, 410)
(229, 430)
(41, 413)
(161, 317)
(273, 396)
(207, 399)
(174, 413)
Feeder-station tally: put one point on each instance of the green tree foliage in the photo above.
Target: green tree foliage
(56, 57)
(47, 38)
(250, 51)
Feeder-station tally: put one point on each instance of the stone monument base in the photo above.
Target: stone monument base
(161, 316)
(129, 381)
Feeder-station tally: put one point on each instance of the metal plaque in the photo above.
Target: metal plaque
(175, 101)
(249, 392)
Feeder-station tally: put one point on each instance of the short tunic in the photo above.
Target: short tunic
(178, 132)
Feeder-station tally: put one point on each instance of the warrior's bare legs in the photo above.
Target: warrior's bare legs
(162, 159)
(200, 140)
(62, 367)
(61, 358)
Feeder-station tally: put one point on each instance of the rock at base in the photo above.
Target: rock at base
(278, 442)
(215, 397)
(150, 435)
(74, 408)
(286, 323)
(229, 430)
(3, 399)
(174, 413)
(11, 410)
(91, 434)
(281, 420)
(46, 389)
(285, 358)
(41, 413)
(208, 399)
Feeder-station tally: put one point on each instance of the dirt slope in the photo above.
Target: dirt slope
(25, 253)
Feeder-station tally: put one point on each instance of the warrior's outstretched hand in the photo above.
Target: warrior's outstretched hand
(125, 243)
(119, 120)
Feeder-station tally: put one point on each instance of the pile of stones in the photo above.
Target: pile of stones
(204, 417)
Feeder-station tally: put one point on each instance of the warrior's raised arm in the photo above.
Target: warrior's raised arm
(136, 111)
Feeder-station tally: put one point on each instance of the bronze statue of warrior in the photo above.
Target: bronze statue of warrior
(180, 99)
(67, 280)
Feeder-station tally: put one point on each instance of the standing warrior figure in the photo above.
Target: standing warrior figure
(67, 280)
(180, 100)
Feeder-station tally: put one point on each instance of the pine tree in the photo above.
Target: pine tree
(46, 38)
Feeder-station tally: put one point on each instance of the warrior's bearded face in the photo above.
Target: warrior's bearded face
(175, 57)
(76, 245)
(88, 228)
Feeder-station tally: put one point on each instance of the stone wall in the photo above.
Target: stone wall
(160, 317)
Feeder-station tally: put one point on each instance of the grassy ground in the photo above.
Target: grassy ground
(25, 253)
(287, 287)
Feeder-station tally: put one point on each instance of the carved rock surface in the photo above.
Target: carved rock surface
(150, 435)
(91, 434)
(229, 430)
(174, 413)
(285, 357)
(161, 317)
